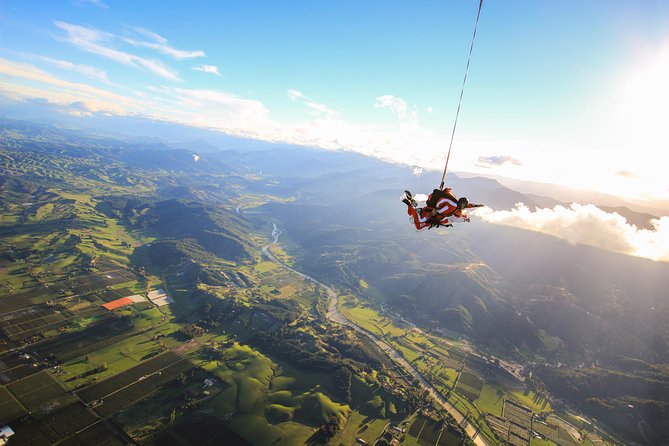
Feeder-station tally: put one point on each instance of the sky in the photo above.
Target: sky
(569, 92)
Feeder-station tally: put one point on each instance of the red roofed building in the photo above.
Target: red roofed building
(122, 302)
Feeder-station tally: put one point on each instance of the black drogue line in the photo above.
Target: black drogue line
(462, 90)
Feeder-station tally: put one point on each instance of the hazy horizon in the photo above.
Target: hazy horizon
(570, 94)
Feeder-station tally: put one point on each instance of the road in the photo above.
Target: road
(335, 315)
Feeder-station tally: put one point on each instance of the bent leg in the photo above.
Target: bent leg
(418, 220)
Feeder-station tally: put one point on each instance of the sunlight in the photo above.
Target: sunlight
(640, 112)
(646, 93)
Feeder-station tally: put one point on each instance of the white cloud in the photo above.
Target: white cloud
(498, 160)
(148, 34)
(320, 109)
(393, 103)
(94, 41)
(406, 115)
(240, 116)
(86, 70)
(98, 3)
(55, 90)
(212, 69)
(626, 174)
(166, 49)
(159, 43)
(294, 95)
(589, 225)
(216, 109)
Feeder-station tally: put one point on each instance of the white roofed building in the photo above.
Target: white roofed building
(5, 433)
(159, 297)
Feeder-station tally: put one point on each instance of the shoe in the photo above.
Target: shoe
(407, 202)
(409, 197)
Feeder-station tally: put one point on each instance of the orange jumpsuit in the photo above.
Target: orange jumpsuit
(446, 212)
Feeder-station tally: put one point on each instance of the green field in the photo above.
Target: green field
(38, 392)
(541, 442)
(531, 400)
(244, 353)
(265, 266)
(10, 408)
(428, 432)
(360, 426)
(58, 424)
(491, 400)
(265, 399)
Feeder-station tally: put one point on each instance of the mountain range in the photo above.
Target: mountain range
(584, 317)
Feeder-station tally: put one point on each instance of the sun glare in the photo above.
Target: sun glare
(631, 136)
(647, 93)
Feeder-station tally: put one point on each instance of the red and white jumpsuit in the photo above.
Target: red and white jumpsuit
(446, 211)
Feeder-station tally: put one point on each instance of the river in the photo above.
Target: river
(335, 315)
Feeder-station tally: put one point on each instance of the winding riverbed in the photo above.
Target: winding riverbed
(335, 315)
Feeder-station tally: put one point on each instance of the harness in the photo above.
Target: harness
(433, 200)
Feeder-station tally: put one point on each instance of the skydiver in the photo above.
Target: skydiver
(442, 208)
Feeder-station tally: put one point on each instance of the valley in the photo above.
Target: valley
(147, 297)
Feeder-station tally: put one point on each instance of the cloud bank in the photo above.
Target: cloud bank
(588, 225)
(67, 97)
(498, 160)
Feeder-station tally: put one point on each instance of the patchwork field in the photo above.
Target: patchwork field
(199, 432)
(10, 408)
(241, 353)
(38, 392)
(428, 432)
(482, 387)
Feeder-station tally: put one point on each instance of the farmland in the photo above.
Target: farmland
(504, 408)
(243, 352)
(75, 372)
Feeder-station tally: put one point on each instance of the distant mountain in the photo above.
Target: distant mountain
(532, 295)
(602, 316)
(569, 195)
(639, 219)
(490, 192)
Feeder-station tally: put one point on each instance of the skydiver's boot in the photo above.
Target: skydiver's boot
(408, 197)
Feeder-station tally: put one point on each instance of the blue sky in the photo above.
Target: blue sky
(569, 92)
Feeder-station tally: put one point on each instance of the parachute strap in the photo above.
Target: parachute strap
(462, 90)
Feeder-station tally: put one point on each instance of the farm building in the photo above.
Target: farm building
(124, 301)
(5, 433)
(159, 297)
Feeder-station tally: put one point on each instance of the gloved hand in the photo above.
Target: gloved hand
(478, 205)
